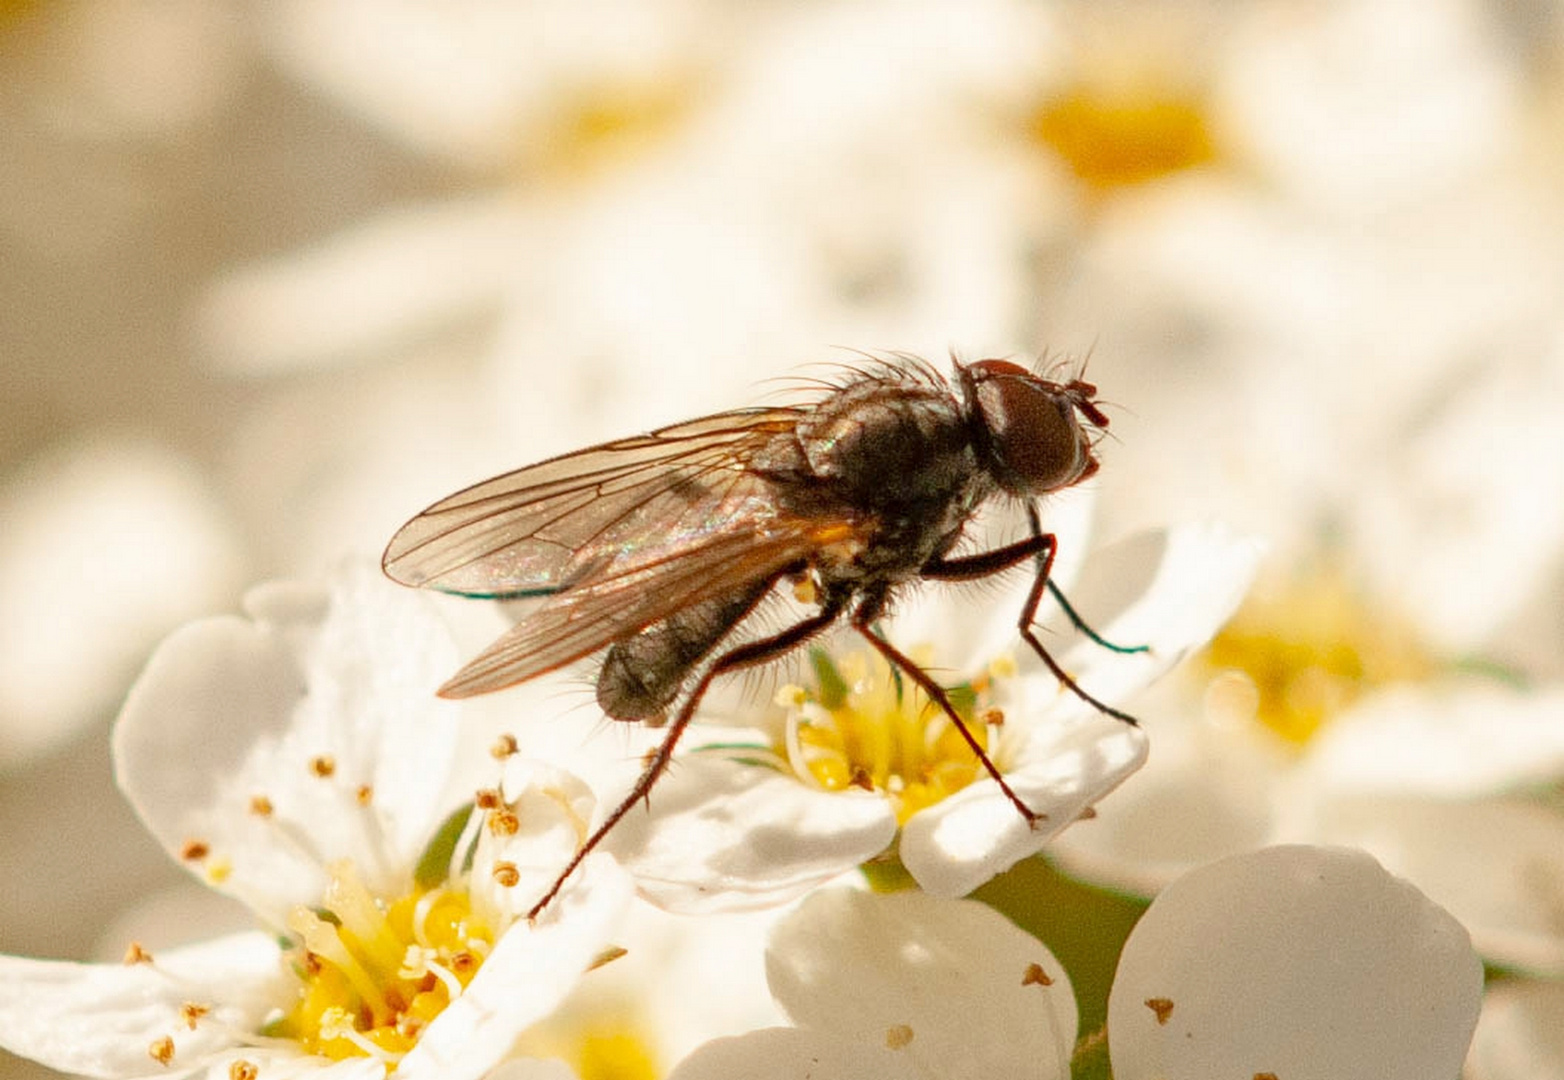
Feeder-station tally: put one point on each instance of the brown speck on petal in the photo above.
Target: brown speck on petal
(898, 1036)
(161, 1050)
(1036, 976)
(135, 954)
(506, 875)
(365, 794)
(323, 766)
(191, 1013)
(243, 1070)
(504, 747)
(1265, 1076)
(195, 850)
(1087, 813)
(261, 806)
(607, 956)
(1163, 1007)
(992, 717)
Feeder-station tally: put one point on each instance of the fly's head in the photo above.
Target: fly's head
(1034, 435)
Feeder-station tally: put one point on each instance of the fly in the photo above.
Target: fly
(654, 549)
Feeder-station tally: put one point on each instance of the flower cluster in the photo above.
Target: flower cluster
(297, 760)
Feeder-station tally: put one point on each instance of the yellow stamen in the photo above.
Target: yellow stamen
(883, 733)
(373, 973)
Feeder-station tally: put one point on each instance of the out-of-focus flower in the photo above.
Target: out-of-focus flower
(299, 762)
(107, 544)
(1324, 721)
(1293, 962)
(1520, 1034)
(838, 769)
(903, 986)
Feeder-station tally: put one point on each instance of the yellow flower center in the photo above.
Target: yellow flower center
(373, 973)
(864, 725)
(1297, 655)
(601, 1041)
(1117, 137)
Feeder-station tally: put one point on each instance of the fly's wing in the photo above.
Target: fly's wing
(635, 594)
(540, 529)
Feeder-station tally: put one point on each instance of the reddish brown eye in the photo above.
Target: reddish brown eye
(1033, 436)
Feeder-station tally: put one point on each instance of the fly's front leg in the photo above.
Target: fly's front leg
(1034, 596)
(1065, 605)
(1040, 547)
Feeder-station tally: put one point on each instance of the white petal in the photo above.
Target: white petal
(363, 291)
(1497, 865)
(230, 709)
(789, 1053)
(1458, 741)
(1060, 770)
(553, 810)
(101, 1019)
(1201, 796)
(952, 981)
(1308, 963)
(1520, 1035)
(726, 836)
(532, 968)
(1171, 591)
(107, 544)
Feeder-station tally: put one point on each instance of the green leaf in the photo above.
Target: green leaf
(832, 688)
(434, 864)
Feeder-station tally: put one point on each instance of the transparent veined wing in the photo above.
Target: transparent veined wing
(609, 607)
(539, 529)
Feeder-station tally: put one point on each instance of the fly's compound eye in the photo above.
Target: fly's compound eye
(1034, 439)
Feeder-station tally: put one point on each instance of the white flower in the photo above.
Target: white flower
(903, 986)
(298, 761)
(1297, 962)
(844, 766)
(1520, 1034)
(1436, 774)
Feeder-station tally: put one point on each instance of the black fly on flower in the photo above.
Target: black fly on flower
(658, 547)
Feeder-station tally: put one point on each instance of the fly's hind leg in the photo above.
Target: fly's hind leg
(749, 654)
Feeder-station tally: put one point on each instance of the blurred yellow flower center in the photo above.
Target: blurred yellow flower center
(599, 123)
(1295, 656)
(600, 1041)
(374, 973)
(1112, 138)
(864, 725)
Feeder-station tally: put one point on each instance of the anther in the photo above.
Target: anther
(1036, 976)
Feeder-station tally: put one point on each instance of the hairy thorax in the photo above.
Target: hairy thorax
(895, 460)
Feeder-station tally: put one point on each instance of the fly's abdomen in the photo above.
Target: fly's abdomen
(642, 675)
